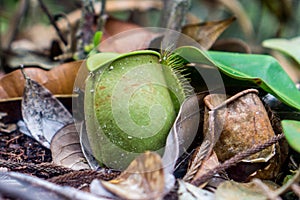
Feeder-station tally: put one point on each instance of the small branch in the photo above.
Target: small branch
(289, 184)
(174, 14)
(10, 35)
(296, 188)
(53, 22)
(102, 16)
(270, 194)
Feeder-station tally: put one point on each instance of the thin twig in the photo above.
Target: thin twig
(45, 168)
(286, 187)
(10, 35)
(53, 22)
(235, 159)
(270, 194)
(78, 178)
(102, 16)
(193, 168)
(296, 188)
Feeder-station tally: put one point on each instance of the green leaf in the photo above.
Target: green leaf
(290, 47)
(97, 38)
(291, 130)
(263, 70)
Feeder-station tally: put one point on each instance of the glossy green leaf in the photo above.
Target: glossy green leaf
(291, 129)
(290, 47)
(263, 70)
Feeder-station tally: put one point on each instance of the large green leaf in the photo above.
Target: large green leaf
(263, 70)
(291, 129)
(290, 47)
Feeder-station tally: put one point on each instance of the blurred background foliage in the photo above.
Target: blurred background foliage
(257, 20)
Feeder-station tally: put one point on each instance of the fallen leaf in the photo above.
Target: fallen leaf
(27, 58)
(43, 114)
(239, 191)
(59, 80)
(207, 33)
(197, 159)
(129, 37)
(14, 115)
(188, 191)
(182, 133)
(66, 150)
(208, 164)
(143, 179)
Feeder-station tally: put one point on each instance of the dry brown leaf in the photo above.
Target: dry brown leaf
(112, 6)
(187, 191)
(143, 179)
(14, 115)
(59, 80)
(208, 164)
(127, 37)
(42, 113)
(207, 33)
(66, 149)
(239, 191)
(43, 41)
(182, 133)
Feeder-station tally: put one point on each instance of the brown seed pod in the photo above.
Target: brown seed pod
(241, 122)
(246, 124)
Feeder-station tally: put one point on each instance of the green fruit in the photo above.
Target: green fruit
(131, 102)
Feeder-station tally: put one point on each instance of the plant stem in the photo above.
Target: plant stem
(53, 22)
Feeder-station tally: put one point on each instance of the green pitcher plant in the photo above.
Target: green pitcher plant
(132, 99)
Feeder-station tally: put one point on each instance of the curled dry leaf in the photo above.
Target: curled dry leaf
(59, 80)
(182, 133)
(66, 150)
(143, 179)
(197, 159)
(207, 33)
(208, 164)
(43, 114)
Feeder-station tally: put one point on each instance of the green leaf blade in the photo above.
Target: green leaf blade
(291, 129)
(263, 70)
